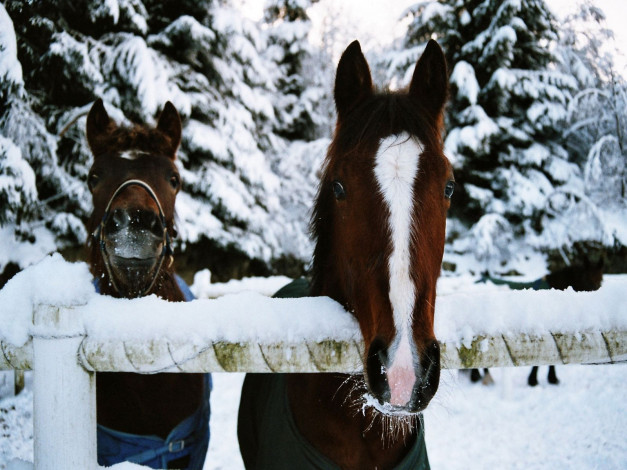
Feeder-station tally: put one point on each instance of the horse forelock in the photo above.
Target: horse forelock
(138, 138)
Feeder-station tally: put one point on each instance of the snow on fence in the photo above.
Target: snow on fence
(53, 322)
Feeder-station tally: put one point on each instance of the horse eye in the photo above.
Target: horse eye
(449, 189)
(92, 181)
(175, 181)
(338, 191)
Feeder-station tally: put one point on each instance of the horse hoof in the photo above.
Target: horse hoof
(554, 380)
(475, 375)
(532, 381)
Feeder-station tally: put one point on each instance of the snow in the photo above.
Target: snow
(147, 75)
(527, 190)
(22, 251)
(51, 281)
(579, 424)
(203, 289)
(493, 311)
(475, 135)
(463, 77)
(17, 179)
(248, 316)
(10, 67)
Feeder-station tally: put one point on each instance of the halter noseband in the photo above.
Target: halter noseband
(167, 244)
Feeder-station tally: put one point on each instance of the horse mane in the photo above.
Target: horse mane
(377, 117)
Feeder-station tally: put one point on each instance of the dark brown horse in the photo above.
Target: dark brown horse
(134, 183)
(379, 224)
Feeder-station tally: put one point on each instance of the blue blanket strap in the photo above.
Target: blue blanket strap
(538, 284)
(190, 437)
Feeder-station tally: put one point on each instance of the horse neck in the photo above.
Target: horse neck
(328, 413)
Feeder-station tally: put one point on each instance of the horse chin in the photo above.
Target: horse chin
(418, 402)
(387, 409)
(133, 276)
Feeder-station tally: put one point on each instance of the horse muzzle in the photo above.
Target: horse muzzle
(402, 388)
(133, 244)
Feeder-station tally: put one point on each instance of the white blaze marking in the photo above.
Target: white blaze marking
(395, 170)
(132, 154)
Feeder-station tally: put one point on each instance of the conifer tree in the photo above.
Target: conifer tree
(507, 108)
(298, 80)
(137, 54)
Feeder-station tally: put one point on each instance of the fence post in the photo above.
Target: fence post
(64, 403)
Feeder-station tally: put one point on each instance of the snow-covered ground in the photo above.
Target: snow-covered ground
(578, 425)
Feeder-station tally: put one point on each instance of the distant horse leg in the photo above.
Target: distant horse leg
(553, 380)
(533, 377)
(487, 377)
(475, 375)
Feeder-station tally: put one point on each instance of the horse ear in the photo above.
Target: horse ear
(99, 127)
(429, 84)
(353, 82)
(170, 125)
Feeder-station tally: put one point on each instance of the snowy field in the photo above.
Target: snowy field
(578, 425)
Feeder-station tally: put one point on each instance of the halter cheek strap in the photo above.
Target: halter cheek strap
(167, 243)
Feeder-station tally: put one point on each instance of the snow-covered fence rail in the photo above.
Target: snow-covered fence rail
(477, 325)
(252, 333)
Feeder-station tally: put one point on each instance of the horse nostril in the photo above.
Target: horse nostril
(154, 224)
(119, 220)
(148, 221)
(375, 365)
(135, 220)
(430, 363)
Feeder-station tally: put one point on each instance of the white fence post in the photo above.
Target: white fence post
(64, 403)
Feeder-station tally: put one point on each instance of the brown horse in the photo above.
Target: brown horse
(379, 224)
(134, 182)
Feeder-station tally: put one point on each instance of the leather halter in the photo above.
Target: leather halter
(167, 244)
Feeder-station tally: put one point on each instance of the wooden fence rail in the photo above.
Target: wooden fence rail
(328, 355)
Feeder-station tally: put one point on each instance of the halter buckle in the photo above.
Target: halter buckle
(172, 446)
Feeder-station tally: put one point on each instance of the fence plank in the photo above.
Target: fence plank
(328, 355)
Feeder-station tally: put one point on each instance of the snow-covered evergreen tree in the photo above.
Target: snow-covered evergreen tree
(598, 107)
(595, 137)
(298, 78)
(137, 54)
(507, 108)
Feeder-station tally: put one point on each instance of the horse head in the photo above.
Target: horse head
(134, 182)
(379, 223)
